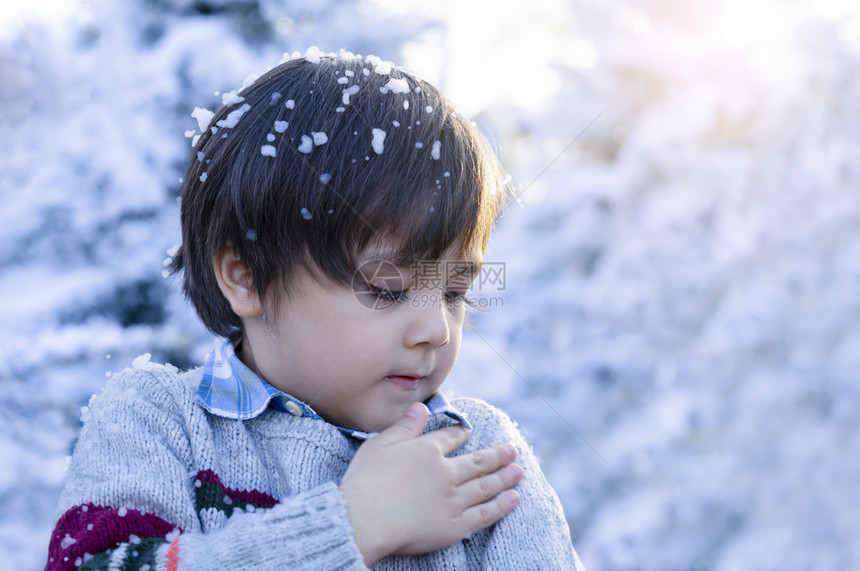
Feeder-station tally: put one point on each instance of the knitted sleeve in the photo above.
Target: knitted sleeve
(535, 532)
(129, 500)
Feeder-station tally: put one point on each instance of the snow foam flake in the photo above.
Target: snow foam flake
(306, 214)
(419, 145)
(365, 71)
(320, 138)
(228, 500)
(276, 96)
(314, 54)
(435, 151)
(446, 174)
(343, 80)
(142, 361)
(281, 126)
(270, 137)
(428, 109)
(290, 104)
(306, 145)
(325, 178)
(396, 123)
(339, 109)
(213, 130)
(268, 151)
(203, 116)
(405, 104)
(68, 541)
(189, 133)
(351, 90)
(170, 537)
(133, 539)
(194, 140)
(378, 142)
(349, 73)
(379, 66)
(398, 86)
(122, 512)
(200, 155)
(203, 177)
(231, 98)
(233, 116)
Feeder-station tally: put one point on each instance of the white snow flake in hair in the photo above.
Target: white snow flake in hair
(434, 152)
(307, 145)
(378, 142)
(351, 90)
(397, 86)
(233, 117)
(314, 54)
(268, 151)
(203, 116)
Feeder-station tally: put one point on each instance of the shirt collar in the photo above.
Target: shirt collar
(231, 390)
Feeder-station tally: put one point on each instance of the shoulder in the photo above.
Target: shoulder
(146, 386)
(490, 424)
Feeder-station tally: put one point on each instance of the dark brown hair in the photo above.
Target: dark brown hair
(315, 160)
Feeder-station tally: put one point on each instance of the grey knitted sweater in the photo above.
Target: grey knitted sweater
(156, 482)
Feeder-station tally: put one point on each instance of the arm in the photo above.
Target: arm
(129, 498)
(536, 530)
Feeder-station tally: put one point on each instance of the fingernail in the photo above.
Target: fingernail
(516, 471)
(512, 452)
(414, 410)
(512, 497)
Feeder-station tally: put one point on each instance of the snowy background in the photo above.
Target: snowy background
(679, 331)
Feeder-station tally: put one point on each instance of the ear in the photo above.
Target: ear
(237, 283)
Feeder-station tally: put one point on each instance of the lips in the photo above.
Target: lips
(404, 381)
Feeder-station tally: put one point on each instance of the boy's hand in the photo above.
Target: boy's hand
(405, 497)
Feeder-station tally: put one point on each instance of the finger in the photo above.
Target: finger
(485, 488)
(449, 438)
(484, 461)
(410, 425)
(482, 515)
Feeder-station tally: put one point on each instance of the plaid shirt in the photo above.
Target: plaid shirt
(232, 390)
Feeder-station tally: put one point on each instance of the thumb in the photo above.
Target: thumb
(410, 425)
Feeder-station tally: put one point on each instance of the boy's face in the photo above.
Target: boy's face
(361, 355)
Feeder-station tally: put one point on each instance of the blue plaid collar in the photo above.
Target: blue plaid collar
(231, 390)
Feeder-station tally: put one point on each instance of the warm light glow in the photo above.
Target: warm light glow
(761, 33)
(496, 52)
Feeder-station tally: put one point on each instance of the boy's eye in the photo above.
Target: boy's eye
(457, 298)
(387, 295)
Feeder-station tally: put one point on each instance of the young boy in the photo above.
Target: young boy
(333, 216)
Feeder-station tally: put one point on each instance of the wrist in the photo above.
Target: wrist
(365, 532)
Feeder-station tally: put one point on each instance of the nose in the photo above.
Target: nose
(429, 323)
